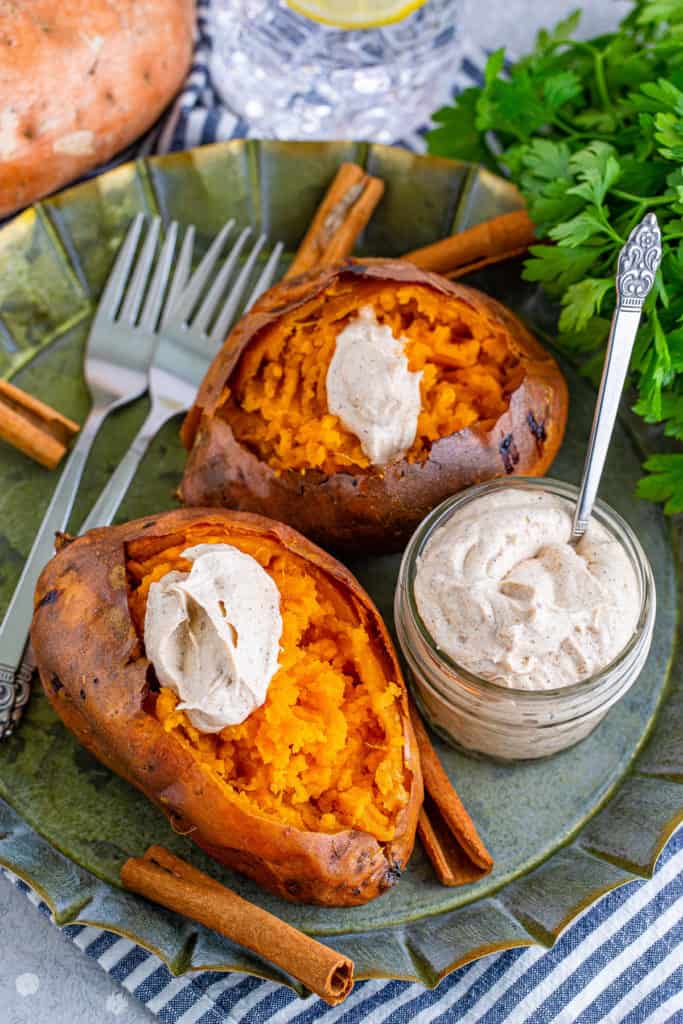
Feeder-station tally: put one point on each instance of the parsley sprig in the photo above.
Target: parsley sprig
(592, 133)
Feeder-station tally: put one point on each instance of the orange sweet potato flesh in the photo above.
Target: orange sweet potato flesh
(79, 81)
(316, 795)
(261, 438)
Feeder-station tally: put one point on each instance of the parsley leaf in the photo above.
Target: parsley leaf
(591, 132)
(545, 40)
(557, 268)
(664, 482)
(669, 136)
(581, 301)
(661, 10)
(579, 229)
(545, 159)
(458, 134)
(596, 169)
(561, 88)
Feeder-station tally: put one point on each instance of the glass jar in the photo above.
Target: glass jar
(484, 717)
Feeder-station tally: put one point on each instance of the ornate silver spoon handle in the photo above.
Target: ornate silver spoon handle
(638, 263)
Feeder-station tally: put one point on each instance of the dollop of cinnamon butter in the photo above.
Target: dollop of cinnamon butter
(503, 592)
(371, 390)
(213, 634)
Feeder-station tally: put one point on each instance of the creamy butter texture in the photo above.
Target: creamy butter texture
(371, 389)
(504, 594)
(213, 634)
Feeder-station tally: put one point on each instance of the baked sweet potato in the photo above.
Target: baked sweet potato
(316, 794)
(79, 81)
(262, 439)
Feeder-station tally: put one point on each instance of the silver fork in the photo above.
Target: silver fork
(186, 345)
(118, 353)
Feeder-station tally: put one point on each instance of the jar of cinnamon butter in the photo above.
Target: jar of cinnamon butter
(517, 641)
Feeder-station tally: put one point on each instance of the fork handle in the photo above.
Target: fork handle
(15, 624)
(106, 506)
(16, 664)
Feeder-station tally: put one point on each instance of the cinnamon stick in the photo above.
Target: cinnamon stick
(340, 218)
(492, 241)
(33, 427)
(449, 835)
(498, 257)
(162, 877)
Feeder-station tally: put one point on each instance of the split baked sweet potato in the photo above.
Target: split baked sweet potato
(262, 438)
(316, 793)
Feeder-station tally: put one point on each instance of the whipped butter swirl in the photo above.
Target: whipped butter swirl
(371, 389)
(213, 634)
(503, 592)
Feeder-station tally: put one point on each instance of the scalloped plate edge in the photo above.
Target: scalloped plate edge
(426, 977)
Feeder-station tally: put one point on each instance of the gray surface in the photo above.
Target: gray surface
(514, 23)
(62, 986)
(71, 988)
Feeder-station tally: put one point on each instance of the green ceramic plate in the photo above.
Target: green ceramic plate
(562, 831)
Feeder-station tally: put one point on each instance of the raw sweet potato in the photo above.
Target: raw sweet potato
(316, 794)
(262, 439)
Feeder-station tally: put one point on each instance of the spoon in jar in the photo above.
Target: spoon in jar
(637, 266)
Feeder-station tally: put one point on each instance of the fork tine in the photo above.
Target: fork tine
(266, 277)
(227, 314)
(136, 288)
(113, 292)
(180, 275)
(152, 307)
(208, 306)
(188, 298)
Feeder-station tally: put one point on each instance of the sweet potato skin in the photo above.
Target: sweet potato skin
(117, 63)
(88, 657)
(367, 510)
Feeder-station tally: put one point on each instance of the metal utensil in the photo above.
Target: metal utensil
(117, 355)
(186, 346)
(638, 263)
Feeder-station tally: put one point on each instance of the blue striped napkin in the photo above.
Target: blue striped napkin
(620, 961)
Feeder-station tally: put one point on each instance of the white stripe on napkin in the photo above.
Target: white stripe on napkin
(202, 1006)
(613, 968)
(88, 935)
(643, 895)
(653, 978)
(249, 1001)
(111, 956)
(224, 984)
(174, 986)
(141, 973)
(666, 1013)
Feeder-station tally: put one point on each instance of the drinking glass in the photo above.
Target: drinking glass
(291, 77)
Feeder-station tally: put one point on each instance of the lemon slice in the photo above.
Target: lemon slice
(355, 13)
